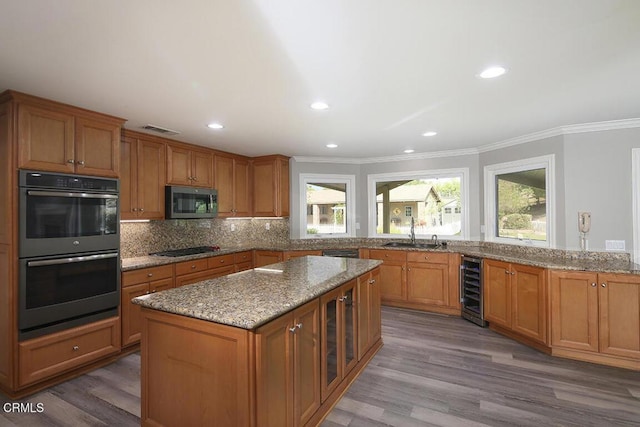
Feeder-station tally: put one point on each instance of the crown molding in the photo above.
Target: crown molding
(536, 136)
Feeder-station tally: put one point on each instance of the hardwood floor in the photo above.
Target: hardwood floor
(433, 370)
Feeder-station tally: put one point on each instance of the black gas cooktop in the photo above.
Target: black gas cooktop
(187, 251)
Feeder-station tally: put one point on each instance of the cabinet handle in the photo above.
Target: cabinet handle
(513, 273)
(141, 209)
(150, 275)
(194, 178)
(71, 161)
(299, 325)
(147, 293)
(292, 330)
(80, 162)
(76, 348)
(372, 281)
(386, 255)
(507, 272)
(604, 285)
(134, 210)
(341, 299)
(426, 257)
(593, 285)
(193, 266)
(221, 261)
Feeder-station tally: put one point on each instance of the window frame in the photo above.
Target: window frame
(462, 173)
(350, 185)
(490, 198)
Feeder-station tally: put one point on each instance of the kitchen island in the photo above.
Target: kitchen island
(270, 346)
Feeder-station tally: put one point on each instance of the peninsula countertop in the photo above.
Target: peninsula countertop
(251, 298)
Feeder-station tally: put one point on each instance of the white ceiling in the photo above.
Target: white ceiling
(390, 69)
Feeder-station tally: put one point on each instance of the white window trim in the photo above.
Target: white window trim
(490, 172)
(463, 173)
(635, 185)
(349, 181)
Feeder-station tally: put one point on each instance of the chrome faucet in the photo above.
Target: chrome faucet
(413, 231)
(434, 239)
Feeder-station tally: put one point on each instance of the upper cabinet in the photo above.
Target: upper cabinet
(189, 167)
(271, 186)
(142, 176)
(233, 181)
(59, 138)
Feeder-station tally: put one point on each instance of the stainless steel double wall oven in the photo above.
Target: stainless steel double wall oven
(69, 251)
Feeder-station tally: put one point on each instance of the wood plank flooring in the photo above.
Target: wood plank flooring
(433, 370)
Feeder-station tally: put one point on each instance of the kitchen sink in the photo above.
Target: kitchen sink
(412, 245)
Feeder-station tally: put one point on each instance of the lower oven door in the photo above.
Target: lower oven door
(65, 288)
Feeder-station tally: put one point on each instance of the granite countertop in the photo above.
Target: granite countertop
(529, 256)
(251, 298)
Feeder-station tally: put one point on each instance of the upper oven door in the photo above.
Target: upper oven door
(57, 222)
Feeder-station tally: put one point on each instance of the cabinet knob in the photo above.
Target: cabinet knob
(426, 257)
(80, 162)
(604, 285)
(141, 209)
(292, 330)
(221, 261)
(593, 285)
(372, 281)
(507, 272)
(193, 266)
(71, 161)
(147, 293)
(194, 178)
(513, 273)
(150, 275)
(153, 291)
(134, 210)
(299, 325)
(341, 299)
(76, 348)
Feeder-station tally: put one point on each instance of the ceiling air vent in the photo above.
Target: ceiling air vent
(158, 129)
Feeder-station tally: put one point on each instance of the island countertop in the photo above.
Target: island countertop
(251, 298)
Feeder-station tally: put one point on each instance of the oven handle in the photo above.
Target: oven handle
(62, 194)
(70, 260)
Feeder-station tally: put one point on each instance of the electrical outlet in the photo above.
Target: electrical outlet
(233, 227)
(267, 226)
(614, 245)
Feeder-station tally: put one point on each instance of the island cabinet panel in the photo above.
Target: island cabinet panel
(596, 314)
(369, 319)
(195, 373)
(53, 354)
(515, 300)
(339, 319)
(262, 258)
(288, 368)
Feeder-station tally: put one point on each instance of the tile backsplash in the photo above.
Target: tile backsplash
(142, 238)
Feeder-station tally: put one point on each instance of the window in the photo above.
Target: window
(327, 201)
(429, 197)
(457, 210)
(518, 202)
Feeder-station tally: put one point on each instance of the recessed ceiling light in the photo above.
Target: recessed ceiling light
(430, 133)
(319, 105)
(409, 151)
(332, 145)
(493, 72)
(215, 126)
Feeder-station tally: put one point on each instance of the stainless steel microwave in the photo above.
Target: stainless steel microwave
(190, 202)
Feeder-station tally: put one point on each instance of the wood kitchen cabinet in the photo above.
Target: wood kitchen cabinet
(369, 320)
(189, 167)
(59, 138)
(136, 283)
(338, 320)
(142, 177)
(596, 314)
(243, 260)
(271, 186)
(262, 258)
(288, 363)
(515, 299)
(233, 182)
(296, 254)
(419, 280)
(197, 270)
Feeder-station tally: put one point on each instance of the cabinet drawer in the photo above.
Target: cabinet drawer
(241, 257)
(430, 257)
(194, 266)
(145, 275)
(383, 255)
(50, 355)
(220, 261)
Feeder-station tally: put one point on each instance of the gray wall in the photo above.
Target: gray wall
(593, 173)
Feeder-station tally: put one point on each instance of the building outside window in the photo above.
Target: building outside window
(328, 205)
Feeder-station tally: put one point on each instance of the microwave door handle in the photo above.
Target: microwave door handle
(66, 194)
(70, 260)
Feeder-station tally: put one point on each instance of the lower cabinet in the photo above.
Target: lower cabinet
(596, 314)
(369, 319)
(53, 354)
(288, 364)
(189, 272)
(339, 319)
(262, 258)
(515, 299)
(243, 260)
(134, 284)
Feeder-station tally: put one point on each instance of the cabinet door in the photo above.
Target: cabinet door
(619, 303)
(202, 169)
(331, 371)
(574, 310)
(364, 314)
(375, 313)
(349, 300)
(178, 165)
(45, 140)
(393, 286)
(307, 362)
(263, 258)
(151, 176)
(224, 184)
(428, 283)
(130, 313)
(242, 188)
(264, 188)
(128, 178)
(528, 301)
(97, 148)
(497, 292)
